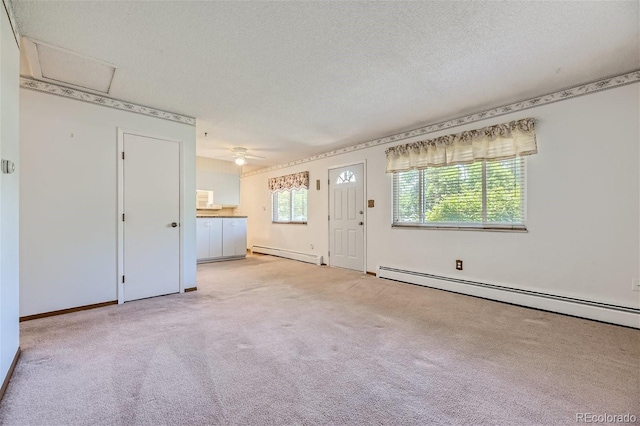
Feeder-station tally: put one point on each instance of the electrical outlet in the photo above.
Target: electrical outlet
(459, 265)
(635, 284)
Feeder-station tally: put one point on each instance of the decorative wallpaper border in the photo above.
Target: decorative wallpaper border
(79, 95)
(561, 95)
(8, 6)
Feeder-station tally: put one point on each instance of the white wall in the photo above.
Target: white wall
(9, 72)
(583, 209)
(68, 199)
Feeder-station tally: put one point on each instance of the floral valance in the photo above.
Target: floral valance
(501, 141)
(287, 182)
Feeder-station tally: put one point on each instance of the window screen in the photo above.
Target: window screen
(290, 206)
(483, 194)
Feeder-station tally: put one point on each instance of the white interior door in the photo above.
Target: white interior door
(151, 186)
(346, 217)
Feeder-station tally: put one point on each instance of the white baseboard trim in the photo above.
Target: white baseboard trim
(620, 315)
(289, 254)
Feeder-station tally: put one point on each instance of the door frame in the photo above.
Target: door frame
(364, 208)
(120, 190)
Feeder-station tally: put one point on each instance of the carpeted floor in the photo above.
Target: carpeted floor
(272, 341)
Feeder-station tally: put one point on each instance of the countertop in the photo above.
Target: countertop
(222, 216)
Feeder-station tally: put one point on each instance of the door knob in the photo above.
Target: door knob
(361, 223)
(174, 224)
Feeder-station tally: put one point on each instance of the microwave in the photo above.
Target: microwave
(204, 200)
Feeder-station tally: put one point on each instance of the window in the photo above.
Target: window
(346, 177)
(289, 197)
(483, 194)
(290, 206)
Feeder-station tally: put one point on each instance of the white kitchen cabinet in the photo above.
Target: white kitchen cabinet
(234, 237)
(226, 189)
(221, 177)
(202, 238)
(215, 238)
(241, 238)
(221, 238)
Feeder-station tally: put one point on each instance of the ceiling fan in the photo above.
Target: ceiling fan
(240, 155)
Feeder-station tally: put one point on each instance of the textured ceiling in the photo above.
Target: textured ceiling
(292, 79)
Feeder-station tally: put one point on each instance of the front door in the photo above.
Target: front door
(151, 217)
(346, 217)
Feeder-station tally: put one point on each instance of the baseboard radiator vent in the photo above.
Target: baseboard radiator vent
(621, 315)
(289, 254)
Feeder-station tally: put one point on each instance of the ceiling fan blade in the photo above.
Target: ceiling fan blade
(255, 157)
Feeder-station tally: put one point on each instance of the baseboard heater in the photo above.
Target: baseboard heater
(605, 312)
(289, 254)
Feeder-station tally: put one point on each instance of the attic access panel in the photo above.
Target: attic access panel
(70, 68)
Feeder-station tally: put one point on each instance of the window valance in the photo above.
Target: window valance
(288, 182)
(502, 141)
